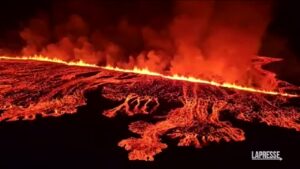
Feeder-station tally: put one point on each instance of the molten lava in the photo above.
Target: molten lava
(190, 110)
(47, 59)
(145, 71)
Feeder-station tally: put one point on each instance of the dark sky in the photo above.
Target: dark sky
(15, 15)
(282, 37)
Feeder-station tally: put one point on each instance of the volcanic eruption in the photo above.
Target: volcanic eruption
(190, 76)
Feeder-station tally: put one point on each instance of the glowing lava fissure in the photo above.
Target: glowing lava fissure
(195, 116)
(146, 71)
(48, 59)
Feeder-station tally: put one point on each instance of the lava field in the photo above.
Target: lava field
(193, 114)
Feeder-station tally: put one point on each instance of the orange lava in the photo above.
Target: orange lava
(197, 80)
(47, 59)
(192, 111)
(146, 71)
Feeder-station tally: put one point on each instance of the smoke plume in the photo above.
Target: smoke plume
(208, 39)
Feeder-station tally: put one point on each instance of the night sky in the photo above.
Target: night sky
(281, 38)
(14, 14)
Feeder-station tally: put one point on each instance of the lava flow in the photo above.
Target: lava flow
(187, 109)
(145, 71)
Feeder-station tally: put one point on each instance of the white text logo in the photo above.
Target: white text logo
(266, 155)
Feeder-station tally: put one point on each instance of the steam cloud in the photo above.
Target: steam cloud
(211, 39)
